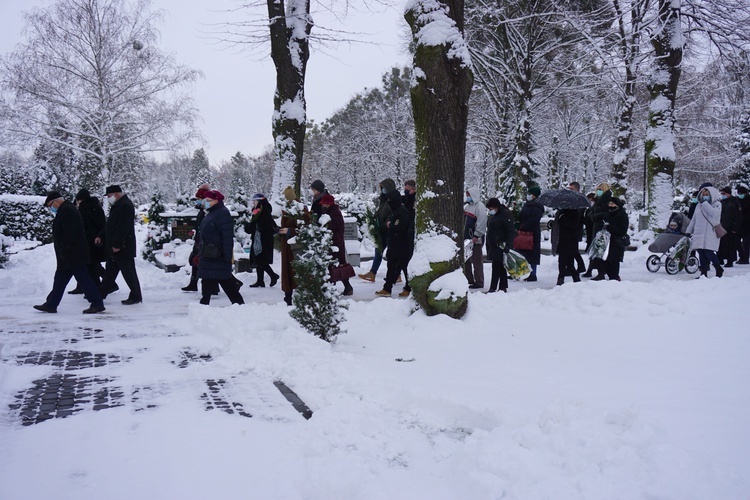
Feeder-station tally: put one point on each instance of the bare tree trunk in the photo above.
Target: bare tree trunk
(668, 45)
(290, 52)
(440, 104)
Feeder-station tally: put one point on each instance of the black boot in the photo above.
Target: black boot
(560, 280)
(719, 271)
(274, 279)
(192, 287)
(288, 298)
(576, 278)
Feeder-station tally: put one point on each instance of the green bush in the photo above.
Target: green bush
(26, 217)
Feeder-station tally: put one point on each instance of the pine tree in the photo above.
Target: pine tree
(318, 306)
(158, 234)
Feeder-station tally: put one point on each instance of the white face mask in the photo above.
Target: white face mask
(529, 197)
(110, 200)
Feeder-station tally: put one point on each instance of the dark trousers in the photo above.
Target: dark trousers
(62, 278)
(728, 248)
(580, 264)
(396, 265)
(229, 285)
(744, 246)
(499, 280)
(566, 262)
(706, 258)
(126, 266)
(474, 266)
(262, 269)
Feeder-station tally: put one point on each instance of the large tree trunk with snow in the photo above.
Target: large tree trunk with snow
(668, 44)
(290, 51)
(440, 104)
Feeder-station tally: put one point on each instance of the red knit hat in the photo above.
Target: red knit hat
(213, 195)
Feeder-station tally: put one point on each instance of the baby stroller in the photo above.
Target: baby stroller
(674, 248)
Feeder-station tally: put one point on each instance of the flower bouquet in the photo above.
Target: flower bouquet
(516, 265)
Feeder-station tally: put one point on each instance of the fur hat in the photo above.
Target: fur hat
(289, 193)
(535, 190)
(52, 195)
(83, 194)
(214, 195)
(114, 188)
(327, 199)
(318, 186)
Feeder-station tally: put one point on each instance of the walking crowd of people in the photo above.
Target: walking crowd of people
(83, 237)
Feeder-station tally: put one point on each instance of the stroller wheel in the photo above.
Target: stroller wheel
(672, 266)
(691, 265)
(653, 263)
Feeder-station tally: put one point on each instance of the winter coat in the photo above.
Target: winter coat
(336, 225)
(568, 223)
(409, 200)
(119, 230)
(217, 228)
(707, 215)
(529, 219)
(475, 216)
(599, 210)
(197, 235)
(731, 214)
(745, 208)
(262, 226)
(94, 221)
(69, 237)
(290, 222)
(400, 234)
(617, 225)
(384, 209)
(500, 233)
(316, 207)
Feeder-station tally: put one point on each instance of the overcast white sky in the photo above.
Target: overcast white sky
(236, 96)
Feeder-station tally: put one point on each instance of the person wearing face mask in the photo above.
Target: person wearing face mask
(528, 220)
(615, 221)
(336, 225)
(500, 236)
(701, 228)
(381, 218)
(193, 259)
(261, 229)
(399, 232)
(731, 219)
(119, 243)
(317, 189)
(216, 251)
(693, 204)
(72, 255)
(475, 225)
(598, 212)
(744, 234)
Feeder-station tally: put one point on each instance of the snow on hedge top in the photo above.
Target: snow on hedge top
(22, 198)
(437, 28)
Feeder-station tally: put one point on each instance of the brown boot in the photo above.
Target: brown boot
(368, 276)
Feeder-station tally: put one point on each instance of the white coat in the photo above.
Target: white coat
(707, 215)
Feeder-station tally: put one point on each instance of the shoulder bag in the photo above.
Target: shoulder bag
(524, 241)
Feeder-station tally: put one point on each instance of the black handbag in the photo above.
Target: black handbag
(211, 251)
(622, 241)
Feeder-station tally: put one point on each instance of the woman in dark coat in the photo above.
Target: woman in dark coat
(598, 212)
(616, 220)
(336, 225)
(261, 228)
(399, 249)
(217, 250)
(500, 235)
(569, 231)
(744, 239)
(529, 219)
(291, 217)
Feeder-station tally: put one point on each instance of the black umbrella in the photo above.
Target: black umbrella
(563, 198)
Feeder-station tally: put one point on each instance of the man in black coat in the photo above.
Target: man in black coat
(744, 197)
(72, 254)
(399, 232)
(119, 243)
(731, 220)
(93, 224)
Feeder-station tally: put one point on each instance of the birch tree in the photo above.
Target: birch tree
(93, 65)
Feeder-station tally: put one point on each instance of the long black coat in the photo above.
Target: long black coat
(94, 221)
(745, 207)
(600, 210)
(119, 231)
(69, 237)
(617, 226)
(569, 230)
(400, 234)
(500, 233)
(217, 228)
(731, 214)
(529, 218)
(262, 224)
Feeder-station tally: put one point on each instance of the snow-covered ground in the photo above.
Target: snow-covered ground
(597, 390)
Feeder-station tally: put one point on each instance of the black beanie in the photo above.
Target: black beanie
(318, 186)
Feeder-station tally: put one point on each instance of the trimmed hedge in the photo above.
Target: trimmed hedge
(25, 217)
